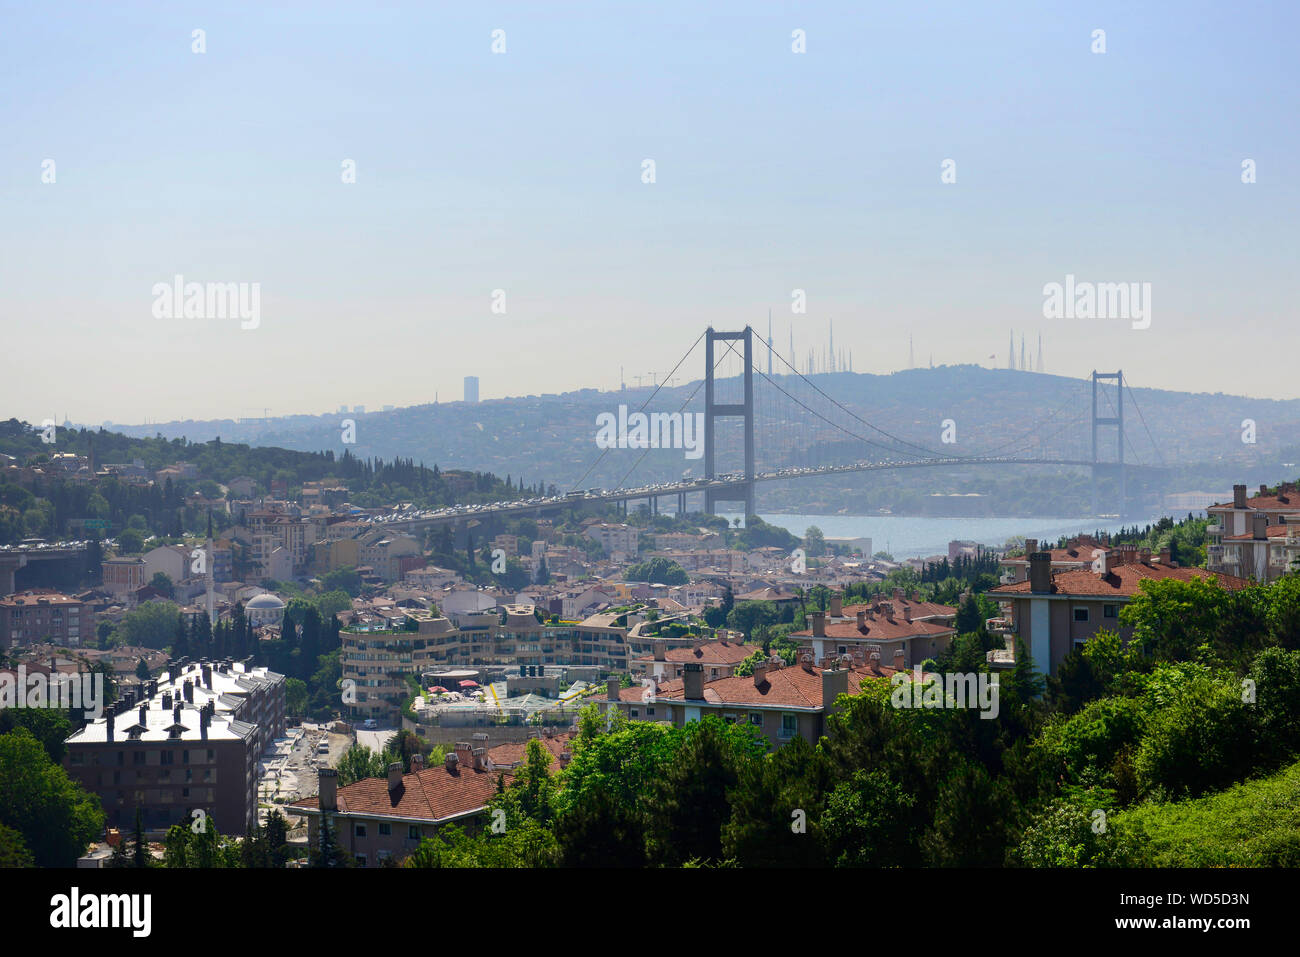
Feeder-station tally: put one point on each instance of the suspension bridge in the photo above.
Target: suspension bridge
(781, 425)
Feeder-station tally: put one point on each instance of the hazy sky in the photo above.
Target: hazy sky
(522, 171)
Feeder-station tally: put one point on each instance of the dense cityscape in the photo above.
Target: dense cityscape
(528, 441)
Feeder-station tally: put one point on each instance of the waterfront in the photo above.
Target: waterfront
(912, 537)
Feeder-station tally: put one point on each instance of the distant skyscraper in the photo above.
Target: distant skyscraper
(1011, 352)
(471, 388)
(1040, 352)
(911, 353)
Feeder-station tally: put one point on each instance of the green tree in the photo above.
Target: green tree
(55, 817)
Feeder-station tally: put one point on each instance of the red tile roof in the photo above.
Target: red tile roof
(514, 752)
(1287, 499)
(1274, 531)
(709, 653)
(879, 628)
(433, 794)
(790, 687)
(1120, 580)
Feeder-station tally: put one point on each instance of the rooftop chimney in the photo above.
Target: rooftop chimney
(660, 647)
(1145, 556)
(108, 726)
(1031, 546)
(328, 789)
(806, 662)
(451, 762)
(394, 776)
(612, 688)
(898, 594)
(1239, 496)
(1263, 490)
(819, 624)
(837, 605)
(144, 715)
(693, 681)
(900, 659)
(417, 762)
(907, 612)
(1040, 572)
(835, 682)
(465, 755)
(1259, 525)
(1165, 557)
(760, 674)
(862, 620)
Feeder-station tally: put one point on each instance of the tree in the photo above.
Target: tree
(13, 851)
(140, 856)
(49, 726)
(142, 669)
(130, 542)
(814, 541)
(691, 802)
(56, 818)
(161, 582)
(295, 696)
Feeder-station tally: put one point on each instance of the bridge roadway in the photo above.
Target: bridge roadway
(725, 483)
(14, 557)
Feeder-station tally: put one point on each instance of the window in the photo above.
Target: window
(360, 830)
(789, 725)
(1080, 614)
(413, 832)
(361, 860)
(1109, 611)
(385, 830)
(756, 719)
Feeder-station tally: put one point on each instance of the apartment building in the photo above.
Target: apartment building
(123, 577)
(1055, 612)
(1078, 553)
(379, 656)
(616, 540)
(902, 630)
(781, 702)
(41, 615)
(166, 758)
(1255, 537)
(718, 659)
(378, 820)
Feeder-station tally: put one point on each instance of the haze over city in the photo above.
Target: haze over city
(522, 172)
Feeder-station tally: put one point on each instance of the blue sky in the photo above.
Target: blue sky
(522, 171)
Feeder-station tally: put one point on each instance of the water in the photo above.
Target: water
(906, 537)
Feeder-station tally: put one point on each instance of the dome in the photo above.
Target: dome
(266, 600)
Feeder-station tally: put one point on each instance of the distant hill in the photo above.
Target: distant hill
(551, 438)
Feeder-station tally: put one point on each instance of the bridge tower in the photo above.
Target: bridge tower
(1117, 467)
(714, 410)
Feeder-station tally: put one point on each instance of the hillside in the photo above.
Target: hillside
(551, 438)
